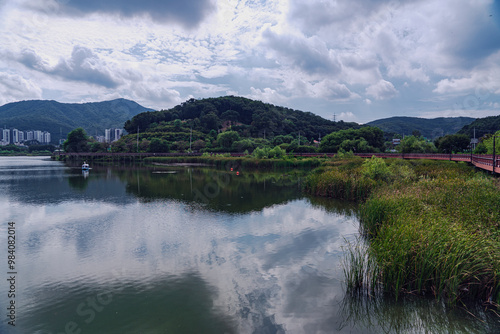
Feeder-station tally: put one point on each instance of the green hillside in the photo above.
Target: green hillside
(249, 118)
(483, 126)
(429, 128)
(58, 117)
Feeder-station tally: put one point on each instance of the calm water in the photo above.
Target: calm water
(188, 250)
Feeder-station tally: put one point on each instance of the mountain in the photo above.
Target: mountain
(57, 118)
(429, 128)
(250, 118)
(482, 126)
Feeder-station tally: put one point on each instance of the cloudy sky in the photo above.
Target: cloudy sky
(359, 60)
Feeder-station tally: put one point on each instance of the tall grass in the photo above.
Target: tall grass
(432, 228)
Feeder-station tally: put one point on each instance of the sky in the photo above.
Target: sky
(351, 60)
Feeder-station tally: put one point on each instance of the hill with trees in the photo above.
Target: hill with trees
(483, 126)
(429, 128)
(227, 123)
(56, 117)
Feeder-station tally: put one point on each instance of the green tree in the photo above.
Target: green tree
(227, 138)
(412, 144)
(450, 143)
(158, 145)
(77, 141)
(177, 124)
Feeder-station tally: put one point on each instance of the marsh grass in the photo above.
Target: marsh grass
(432, 228)
(250, 162)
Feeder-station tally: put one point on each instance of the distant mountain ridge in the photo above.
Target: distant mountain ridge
(57, 117)
(429, 128)
(482, 126)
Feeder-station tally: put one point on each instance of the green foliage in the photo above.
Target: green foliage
(452, 143)
(428, 128)
(481, 149)
(77, 141)
(366, 139)
(158, 145)
(376, 169)
(248, 118)
(432, 227)
(482, 127)
(487, 142)
(412, 144)
(227, 138)
(243, 145)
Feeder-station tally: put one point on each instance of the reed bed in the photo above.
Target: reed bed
(431, 228)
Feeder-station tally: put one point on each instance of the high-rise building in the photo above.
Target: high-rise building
(29, 135)
(118, 134)
(21, 136)
(6, 136)
(38, 135)
(107, 135)
(15, 136)
(46, 137)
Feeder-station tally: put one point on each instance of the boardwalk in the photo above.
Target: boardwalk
(482, 161)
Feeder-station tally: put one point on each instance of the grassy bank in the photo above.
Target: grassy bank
(432, 227)
(241, 162)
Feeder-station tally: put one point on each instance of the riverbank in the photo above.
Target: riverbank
(432, 227)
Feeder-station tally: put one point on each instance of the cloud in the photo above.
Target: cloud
(14, 87)
(189, 13)
(267, 95)
(332, 90)
(83, 65)
(308, 54)
(383, 90)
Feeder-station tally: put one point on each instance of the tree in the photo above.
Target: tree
(227, 138)
(412, 144)
(177, 124)
(77, 141)
(450, 143)
(158, 145)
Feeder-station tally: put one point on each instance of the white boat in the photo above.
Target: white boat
(85, 166)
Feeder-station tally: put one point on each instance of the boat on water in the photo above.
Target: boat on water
(85, 166)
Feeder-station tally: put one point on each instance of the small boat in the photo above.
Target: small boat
(85, 166)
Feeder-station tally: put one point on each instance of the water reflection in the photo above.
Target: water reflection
(257, 257)
(167, 304)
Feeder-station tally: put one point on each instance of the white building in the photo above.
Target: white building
(29, 135)
(38, 135)
(118, 134)
(46, 137)
(6, 136)
(107, 135)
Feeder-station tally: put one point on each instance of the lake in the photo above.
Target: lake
(188, 249)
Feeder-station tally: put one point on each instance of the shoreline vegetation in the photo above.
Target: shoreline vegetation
(432, 228)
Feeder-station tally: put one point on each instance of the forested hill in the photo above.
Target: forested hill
(248, 117)
(483, 126)
(57, 117)
(429, 128)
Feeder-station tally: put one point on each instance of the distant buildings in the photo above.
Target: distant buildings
(110, 135)
(18, 137)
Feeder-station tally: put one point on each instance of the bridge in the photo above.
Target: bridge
(486, 162)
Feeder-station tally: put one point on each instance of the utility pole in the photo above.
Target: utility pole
(494, 157)
(299, 138)
(137, 139)
(190, 137)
